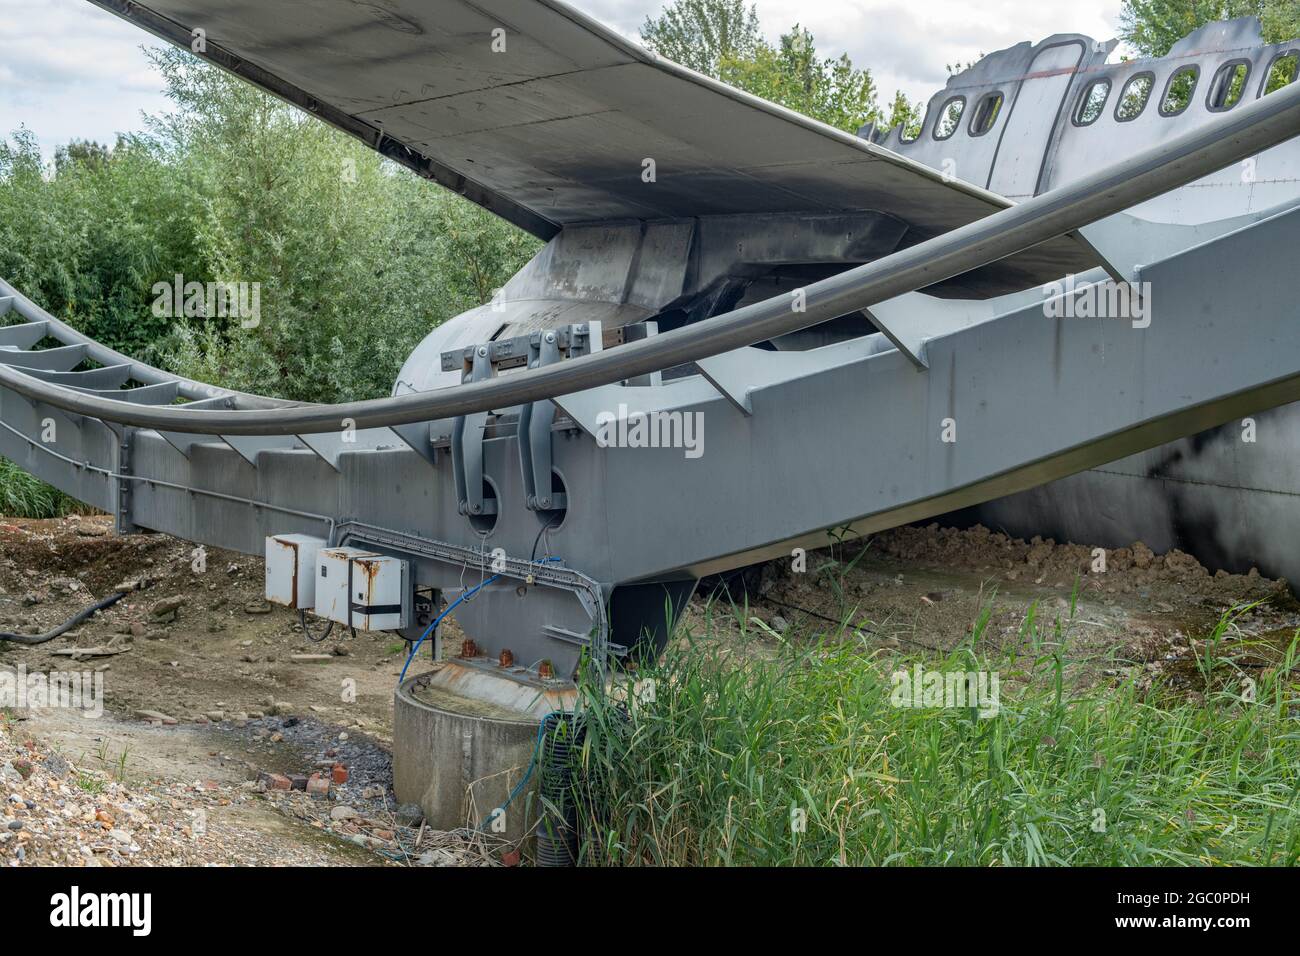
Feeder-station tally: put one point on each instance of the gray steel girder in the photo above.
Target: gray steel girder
(858, 443)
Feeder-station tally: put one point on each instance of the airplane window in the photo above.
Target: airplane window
(949, 117)
(1092, 102)
(1280, 72)
(1228, 86)
(1133, 100)
(912, 128)
(986, 114)
(1179, 90)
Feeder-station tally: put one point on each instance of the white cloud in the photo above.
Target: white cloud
(70, 70)
(906, 46)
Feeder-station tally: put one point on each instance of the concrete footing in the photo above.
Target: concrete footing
(463, 739)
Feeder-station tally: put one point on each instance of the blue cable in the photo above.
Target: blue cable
(541, 727)
(438, 620)
(447, 610)
(537, 749)
(450, 607)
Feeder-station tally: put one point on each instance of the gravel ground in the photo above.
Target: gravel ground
(62, 814)
(215, 723)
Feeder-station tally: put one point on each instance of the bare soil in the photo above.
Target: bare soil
(198, 644)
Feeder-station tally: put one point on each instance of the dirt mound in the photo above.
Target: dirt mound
(41, 556)
(1043, 559)
(927, 589)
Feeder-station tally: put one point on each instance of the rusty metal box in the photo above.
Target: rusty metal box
(291, 570)
(362, 589)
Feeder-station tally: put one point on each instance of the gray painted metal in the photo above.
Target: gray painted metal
(95, 379)
(163, 393)
(1234, 136)
(554, 129)
(1047, 147)
(1229, 502)
(755, 504)
(21, 336)
(845, 434)
(50, 360)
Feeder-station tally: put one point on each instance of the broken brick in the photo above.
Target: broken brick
(318, 786)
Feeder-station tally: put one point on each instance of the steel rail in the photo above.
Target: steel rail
(1236, 136)
(140, 371)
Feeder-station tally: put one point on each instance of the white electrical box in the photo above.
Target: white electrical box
(362, 589)
(291, 570)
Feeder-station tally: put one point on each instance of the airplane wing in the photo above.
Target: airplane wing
(545, 117)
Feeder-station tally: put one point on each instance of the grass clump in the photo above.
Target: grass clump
(803, 758)
(25, 496)
(22, 495)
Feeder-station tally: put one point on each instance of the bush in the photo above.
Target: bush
(356, 259)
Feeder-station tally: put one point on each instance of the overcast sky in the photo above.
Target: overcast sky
(70, 70)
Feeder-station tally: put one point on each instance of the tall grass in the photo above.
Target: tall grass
(720, 766)
(23, 495)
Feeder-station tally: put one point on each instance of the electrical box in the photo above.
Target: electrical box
(291, 570)
(362, 589)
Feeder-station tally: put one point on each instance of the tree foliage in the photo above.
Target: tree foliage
(1152, 27)
(722, 38)
(356, 259)
(701, 34)
(791, 73)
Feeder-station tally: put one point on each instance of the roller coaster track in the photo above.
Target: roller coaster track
(1236, 137)
(1034, 399)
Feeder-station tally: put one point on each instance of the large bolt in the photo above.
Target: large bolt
(545, 670)
(468, 648)
(507, 658)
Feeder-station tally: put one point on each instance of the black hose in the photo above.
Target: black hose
(538, 540)
(302, 621)
(557, 831)
(69, 624)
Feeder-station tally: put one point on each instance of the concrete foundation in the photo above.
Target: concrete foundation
(463, 738)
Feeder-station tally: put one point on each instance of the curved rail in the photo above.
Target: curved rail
(141, 372)
(1238, 135)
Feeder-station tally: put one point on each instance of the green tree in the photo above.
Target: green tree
(1152, 27)
(700, 34)
(903, 112)
(791, 73)
(88, 238)
(83, 152)
(1281, 20)
(356, 258)
(723, 39)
